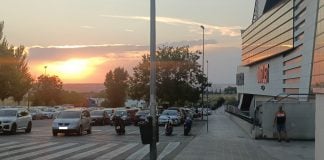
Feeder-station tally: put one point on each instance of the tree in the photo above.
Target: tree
(179, 76)
(22, 79)
(47, 91)
(116, 87)
(15, 79)
(72, 97)
(230, 90)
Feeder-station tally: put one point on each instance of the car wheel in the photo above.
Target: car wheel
(89, 131)
(29, 127)
(80, 131)
(13, 128)
(54, 133)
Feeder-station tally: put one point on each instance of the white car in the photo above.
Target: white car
(170, 115)
(13, 119)
(49, 113)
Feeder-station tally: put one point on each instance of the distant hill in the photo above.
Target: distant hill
(97, 87)
(221, 86)
(84, 87)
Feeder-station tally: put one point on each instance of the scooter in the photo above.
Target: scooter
(168, 128)
(119, 126)
(187, 126)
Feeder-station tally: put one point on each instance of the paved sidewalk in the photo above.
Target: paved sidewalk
(227, 141)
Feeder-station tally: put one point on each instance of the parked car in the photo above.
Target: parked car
(36, 113)
(72, 121)
(13, 119)
(170, 115)
(109, 111)
(49, 113)
(181, 113)
(132, 114)
(141, 116)
(99, 117)
(121, 113)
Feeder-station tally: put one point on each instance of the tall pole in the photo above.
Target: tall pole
(45, 67)
(207, 97)
(153, 150)
(203, 69)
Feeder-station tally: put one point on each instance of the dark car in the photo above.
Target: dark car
(132, 114)
(122, 114)
(99, 117)
(141, 116)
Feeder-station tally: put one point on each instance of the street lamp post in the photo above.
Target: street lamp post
(207, 96)
(153, 150)
(203, 68)
(45, 67)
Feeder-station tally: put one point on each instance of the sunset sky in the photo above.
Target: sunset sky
(81, 40)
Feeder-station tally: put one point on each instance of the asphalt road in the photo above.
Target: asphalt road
(103, 143)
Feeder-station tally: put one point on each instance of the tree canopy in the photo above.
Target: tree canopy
(116, 87)
(179, 76)
(47, 91)
(15, 79)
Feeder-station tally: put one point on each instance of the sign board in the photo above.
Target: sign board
(263, 74)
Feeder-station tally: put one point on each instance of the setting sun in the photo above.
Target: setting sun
(73, 67)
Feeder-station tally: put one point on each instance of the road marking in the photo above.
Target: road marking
(65, 152)
(140, 154)
(26, 149)
(17, 146)
(96, 130)
(40, 152)
(132, 132)
(117, 152)
(8, 143)
(168, 149)
(90, 152)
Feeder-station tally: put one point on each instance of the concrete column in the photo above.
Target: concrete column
(319, 122)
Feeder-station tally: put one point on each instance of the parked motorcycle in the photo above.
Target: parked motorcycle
(119, 125)
(187, 126)
(168, 128)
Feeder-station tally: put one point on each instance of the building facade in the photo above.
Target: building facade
(278, 52)
(282, 61)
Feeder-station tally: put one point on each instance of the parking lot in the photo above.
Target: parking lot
(102, 143)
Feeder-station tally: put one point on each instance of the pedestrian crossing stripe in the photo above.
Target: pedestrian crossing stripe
(76, 151)
(42, 151)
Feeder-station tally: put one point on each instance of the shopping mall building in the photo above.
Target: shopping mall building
(282, 61)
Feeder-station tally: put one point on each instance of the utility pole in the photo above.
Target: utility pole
(203, 69)
(153, 150)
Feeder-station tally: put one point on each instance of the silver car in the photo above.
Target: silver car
(13, 119)
(72, 121)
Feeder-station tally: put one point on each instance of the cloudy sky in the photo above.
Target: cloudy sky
(80, 40)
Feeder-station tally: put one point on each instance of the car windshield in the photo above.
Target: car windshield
(8, 113)
(121, 113)
(96, 113)
(170, 112)
(69, 114)
(109, 111)
(142, 113)
(33, 111)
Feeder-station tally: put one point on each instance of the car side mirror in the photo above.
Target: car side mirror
(19, 115)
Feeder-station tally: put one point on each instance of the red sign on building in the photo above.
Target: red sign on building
(263, 73)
